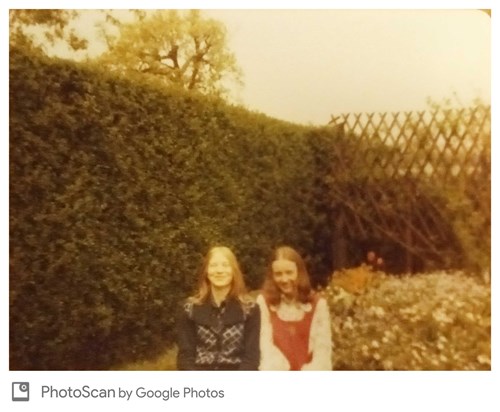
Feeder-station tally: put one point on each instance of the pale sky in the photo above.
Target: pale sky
(305, 65)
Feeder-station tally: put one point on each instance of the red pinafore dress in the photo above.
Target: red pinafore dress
(292, 337)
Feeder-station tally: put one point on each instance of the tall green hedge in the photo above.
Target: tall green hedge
(119, 186)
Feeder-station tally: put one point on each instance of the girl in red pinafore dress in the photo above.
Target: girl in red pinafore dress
(295, 322)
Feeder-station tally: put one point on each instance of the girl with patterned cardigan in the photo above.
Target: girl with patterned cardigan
(218, 328)
(295, 322)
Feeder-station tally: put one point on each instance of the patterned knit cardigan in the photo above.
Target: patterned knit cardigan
(218, 338)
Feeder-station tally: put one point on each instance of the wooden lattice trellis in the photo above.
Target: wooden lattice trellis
(399, 176)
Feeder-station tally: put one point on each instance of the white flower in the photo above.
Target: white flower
(484, 360)
(348, 323)
(441, 316)
(388, 365)
(378, 311)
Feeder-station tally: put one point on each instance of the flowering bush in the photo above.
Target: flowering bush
(436, 321)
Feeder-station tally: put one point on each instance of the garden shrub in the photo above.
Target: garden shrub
(435, 321)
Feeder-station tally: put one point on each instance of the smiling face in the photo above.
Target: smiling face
(285, 275)
(219, 271)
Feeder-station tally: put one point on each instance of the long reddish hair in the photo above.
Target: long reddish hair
(238, 288)
(271, 290)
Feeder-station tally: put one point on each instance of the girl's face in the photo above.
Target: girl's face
(219, 271)
(285, 275)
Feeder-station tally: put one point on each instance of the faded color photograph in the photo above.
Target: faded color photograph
(250, 190)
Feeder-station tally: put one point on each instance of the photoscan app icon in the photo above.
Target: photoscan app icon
(20, 391)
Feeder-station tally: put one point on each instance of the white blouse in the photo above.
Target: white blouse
(320, 338)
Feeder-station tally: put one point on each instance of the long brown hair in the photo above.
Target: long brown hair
(271, 290)
(238, 288)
